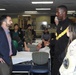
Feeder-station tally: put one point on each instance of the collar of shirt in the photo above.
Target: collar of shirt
(6, 30)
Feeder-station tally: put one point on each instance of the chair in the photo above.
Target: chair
(40, 63)
(32, 47)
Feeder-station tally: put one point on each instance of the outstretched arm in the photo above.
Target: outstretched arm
(25, 47)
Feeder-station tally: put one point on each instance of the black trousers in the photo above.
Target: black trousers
(55, 66)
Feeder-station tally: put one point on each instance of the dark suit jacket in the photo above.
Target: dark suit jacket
(4, 47)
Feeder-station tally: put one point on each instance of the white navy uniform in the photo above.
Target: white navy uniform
(68, 66)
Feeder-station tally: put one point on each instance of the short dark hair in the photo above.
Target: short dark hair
(29, 25)
(2, 18)
(16, 24)
(63, 7)
(46, 29)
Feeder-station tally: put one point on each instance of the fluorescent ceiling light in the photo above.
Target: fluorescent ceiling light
(71, 11)
(43, 8)
(30, 12)
(2, 9)
(26, 15)
(43, 2)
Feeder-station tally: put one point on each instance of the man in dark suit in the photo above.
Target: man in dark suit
(6, 49)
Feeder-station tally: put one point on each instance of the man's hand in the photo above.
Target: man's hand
(56, 20)
(2, 61)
